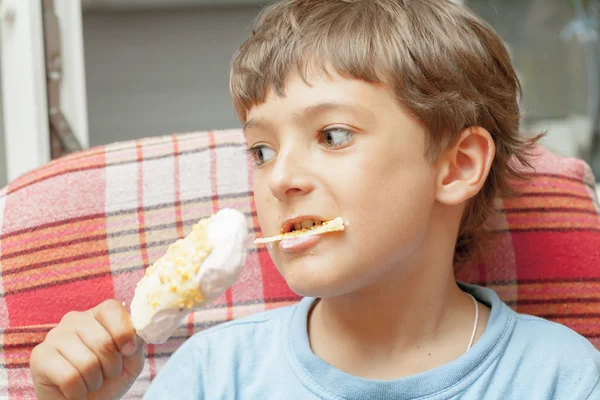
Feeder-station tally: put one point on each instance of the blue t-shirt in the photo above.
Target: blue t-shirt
(268, 356)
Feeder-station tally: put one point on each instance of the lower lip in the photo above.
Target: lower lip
(295, 245)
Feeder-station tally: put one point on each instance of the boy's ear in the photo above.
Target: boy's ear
(464, 166)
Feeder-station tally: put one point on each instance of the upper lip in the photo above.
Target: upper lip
(288, 224)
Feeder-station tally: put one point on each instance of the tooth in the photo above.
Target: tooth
(318, 222)
(297, 226)
(307, 223)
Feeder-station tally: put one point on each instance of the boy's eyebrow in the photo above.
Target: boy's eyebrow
(261, 122)
(322, 107)
(255, 123)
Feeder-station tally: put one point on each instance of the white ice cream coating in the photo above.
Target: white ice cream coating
(227, 234)
(195, 269)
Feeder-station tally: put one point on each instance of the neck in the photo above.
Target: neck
(416, 313)
(393, 313)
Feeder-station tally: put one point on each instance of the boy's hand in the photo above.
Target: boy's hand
(93, 354)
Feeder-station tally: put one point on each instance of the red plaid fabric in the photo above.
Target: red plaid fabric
(83, 229)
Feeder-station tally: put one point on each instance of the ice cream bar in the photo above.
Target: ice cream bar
(193, 271)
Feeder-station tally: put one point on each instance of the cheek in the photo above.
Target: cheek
(390, 210)
(269, 220)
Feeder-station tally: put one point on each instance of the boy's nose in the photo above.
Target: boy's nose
(289, 176)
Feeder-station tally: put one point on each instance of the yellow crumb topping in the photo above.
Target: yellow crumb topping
(175, 269)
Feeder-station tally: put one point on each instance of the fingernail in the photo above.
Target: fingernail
(129, 348)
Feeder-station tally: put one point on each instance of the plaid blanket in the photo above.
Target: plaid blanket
(82, 229)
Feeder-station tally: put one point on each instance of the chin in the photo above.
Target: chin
(313, 277)
(317, 290)
(305, 289)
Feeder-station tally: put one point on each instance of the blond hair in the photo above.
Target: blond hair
(447, 68)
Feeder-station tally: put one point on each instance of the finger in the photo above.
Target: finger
(132, 367)
(134, 364)
(115, 319)
(101, 343)
(56, 378)
(83, 359)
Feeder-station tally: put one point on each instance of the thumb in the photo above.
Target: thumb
(133, 364)
(132, 367)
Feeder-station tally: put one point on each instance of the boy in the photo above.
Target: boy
(400, 116)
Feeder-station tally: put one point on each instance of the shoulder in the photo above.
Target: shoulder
(539, 334)
(553, 352)
(537, 339)
(254, 331)
(197, 366)
(256, 321)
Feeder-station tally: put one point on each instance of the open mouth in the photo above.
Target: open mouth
(305, 227)
(305, 224)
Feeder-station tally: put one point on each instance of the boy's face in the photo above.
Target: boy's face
(345, 148)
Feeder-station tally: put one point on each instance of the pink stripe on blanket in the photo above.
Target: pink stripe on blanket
(564, 291)
(12, 355)
(20, 384)
(158, 217)
(569, 186)
(548, 162)
(122, 222)
(85, 198)
(125, 258)
(43, 274)
(579, 325)
(155, 253)
(240, 205)
(545, 220)
(124, 284)
(68, 230)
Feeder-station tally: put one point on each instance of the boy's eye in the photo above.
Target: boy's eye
(261, 154)
(335, 137)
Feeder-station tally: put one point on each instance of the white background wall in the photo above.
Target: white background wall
(157, 72)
